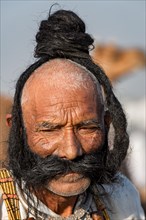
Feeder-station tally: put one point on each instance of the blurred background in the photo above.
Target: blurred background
(118, 28)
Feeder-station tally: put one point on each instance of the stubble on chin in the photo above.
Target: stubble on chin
(68, 185)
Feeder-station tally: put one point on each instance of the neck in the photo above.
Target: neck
(62, 206)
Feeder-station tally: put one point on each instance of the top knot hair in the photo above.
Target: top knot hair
(62, 35)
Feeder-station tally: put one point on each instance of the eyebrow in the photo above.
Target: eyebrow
(50, 125)
(47, 125)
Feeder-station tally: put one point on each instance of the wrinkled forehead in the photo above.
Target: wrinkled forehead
(60, 75)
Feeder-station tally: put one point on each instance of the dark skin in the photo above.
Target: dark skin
(68, 122)
(63, 206)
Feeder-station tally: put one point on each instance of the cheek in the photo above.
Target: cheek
(93, 142)
(41, 145)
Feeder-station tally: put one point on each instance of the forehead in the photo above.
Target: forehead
(59, 79)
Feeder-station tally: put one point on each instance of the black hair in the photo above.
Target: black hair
(63, 35)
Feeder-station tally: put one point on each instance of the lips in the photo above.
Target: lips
(70, 178)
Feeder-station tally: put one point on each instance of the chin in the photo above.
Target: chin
(71, 184)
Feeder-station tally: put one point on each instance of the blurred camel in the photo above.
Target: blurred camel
(5, 108)
(118, 62)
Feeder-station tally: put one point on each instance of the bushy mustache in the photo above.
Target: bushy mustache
(41, 170)
(37, 171)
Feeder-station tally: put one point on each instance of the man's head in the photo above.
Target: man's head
(59, 134)
(63, 115)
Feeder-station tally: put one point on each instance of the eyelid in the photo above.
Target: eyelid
(90, 124)
(90, 127)
(48, 130)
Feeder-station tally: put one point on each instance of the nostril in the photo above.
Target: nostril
(64, 158)
(80, 151)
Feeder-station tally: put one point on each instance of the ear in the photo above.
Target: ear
(107, 119)
(9, 120)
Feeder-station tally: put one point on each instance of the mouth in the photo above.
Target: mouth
(70, 178)
(71, 184)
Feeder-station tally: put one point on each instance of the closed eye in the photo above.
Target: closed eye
(89, 130)
(49, 130)
(46, 127)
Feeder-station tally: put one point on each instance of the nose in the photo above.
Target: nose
(71, 147)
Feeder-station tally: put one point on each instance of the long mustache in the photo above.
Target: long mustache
(42, 170)
(38, 171)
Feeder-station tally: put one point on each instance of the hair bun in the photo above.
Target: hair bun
(62, 34)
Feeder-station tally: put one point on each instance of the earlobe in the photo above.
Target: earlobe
(9, 120)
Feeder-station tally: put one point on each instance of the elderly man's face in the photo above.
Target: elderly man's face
(63, 116)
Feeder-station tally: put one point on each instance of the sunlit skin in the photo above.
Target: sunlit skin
(63, 116)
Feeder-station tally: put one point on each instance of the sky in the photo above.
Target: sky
(119, 22)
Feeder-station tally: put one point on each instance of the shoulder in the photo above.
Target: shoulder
(124, 187)
(123, 199)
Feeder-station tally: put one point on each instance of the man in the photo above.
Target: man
(60, 163)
